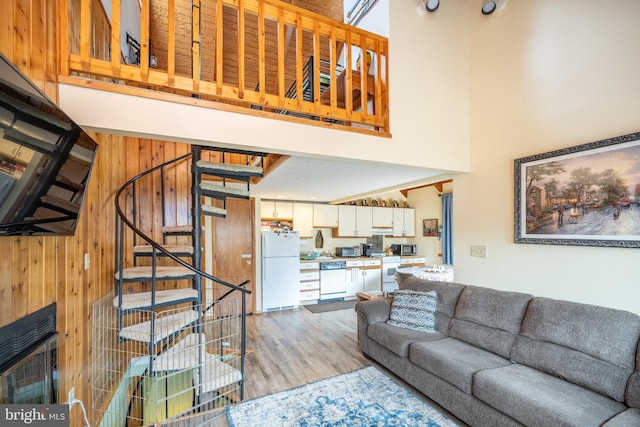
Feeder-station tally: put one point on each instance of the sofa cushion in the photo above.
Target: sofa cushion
(454, 361)
(398, 339)
(374, 310)
(628, 418)
(413, 310)
(535, 398)
(447, 298)
(489, 318)
(632, 397)
(591, 346)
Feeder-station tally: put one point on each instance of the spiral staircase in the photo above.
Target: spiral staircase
(179, 354)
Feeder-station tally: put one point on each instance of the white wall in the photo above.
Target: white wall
(545, 75)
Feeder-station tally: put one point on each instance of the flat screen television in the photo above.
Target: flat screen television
(45, 160)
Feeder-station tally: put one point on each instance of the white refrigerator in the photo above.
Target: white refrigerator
(280, 270)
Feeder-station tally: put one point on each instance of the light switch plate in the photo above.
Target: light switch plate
(479, 251)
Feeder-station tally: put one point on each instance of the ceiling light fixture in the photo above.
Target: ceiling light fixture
(432, 5)
(490, 6)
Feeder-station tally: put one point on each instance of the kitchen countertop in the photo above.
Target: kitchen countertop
(327, 259)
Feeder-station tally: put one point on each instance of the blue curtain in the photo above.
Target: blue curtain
(447, 228)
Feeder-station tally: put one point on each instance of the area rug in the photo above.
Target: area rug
(365, 397)
(330, 306)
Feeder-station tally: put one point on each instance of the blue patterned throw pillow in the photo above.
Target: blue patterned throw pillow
(413, 310)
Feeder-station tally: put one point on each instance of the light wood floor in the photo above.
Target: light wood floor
(295, 347)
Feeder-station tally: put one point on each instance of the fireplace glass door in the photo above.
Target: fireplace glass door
(33, 379)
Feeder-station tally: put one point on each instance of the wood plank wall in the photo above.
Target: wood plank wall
(37, 271)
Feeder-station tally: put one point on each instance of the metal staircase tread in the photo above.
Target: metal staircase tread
(228, 169)
(178, 229)
(190, 353)
(162, 272)
(221, 191)
(164, 327)
(163, 298)
(216, 375)
(174, 249)
(213, 211)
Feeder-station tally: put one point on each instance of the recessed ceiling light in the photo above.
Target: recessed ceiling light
(432, 5)
(490, 6)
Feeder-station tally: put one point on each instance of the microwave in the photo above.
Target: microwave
(404, 249)
(348, 251)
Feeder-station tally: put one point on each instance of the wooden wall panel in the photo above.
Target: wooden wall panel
(37, 271)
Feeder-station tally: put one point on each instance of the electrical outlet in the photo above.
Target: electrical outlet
(479, 251)
(71, 396)
(87, 261)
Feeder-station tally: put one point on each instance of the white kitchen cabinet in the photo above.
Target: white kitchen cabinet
(303, 219)
(276, 210)
(363, 276)
(325, 216)
(372, 275)
(404, 222)
(382, 217)
(309, 282)
(355, 221)
(372, 278)
(354, 278)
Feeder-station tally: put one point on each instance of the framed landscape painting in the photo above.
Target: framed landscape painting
(586, 195)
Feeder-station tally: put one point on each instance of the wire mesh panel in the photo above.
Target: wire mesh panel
(165, 365)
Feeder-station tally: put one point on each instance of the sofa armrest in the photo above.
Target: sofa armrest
(374, 310)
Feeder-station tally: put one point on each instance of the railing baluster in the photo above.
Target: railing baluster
(115, 35)
(316, 64)
(171, 41)
(219, 77)
(299, 61)
(281, 57)
(196, 69)
(270, 84)
(262, 61)
(85, 31)
(144, 39)
(241, 35)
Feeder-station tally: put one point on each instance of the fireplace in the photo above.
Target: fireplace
(29, 359)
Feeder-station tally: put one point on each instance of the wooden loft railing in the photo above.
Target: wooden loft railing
(248, 53)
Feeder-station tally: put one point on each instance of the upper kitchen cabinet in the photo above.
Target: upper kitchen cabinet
(276, 210)
(303, 219)
(404, 222)
(382, 217)
(355, 221)
(325, 216)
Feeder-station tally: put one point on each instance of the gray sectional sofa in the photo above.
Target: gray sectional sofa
(508, 359)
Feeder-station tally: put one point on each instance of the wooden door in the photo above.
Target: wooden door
(234, 255)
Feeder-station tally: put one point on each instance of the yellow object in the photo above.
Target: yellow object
(167, 394)
(367, 64)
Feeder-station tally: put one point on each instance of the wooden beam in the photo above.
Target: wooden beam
(439, 186)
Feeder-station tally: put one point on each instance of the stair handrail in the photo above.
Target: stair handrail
(157, 246)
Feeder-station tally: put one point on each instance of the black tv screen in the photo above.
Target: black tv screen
(45, 160)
